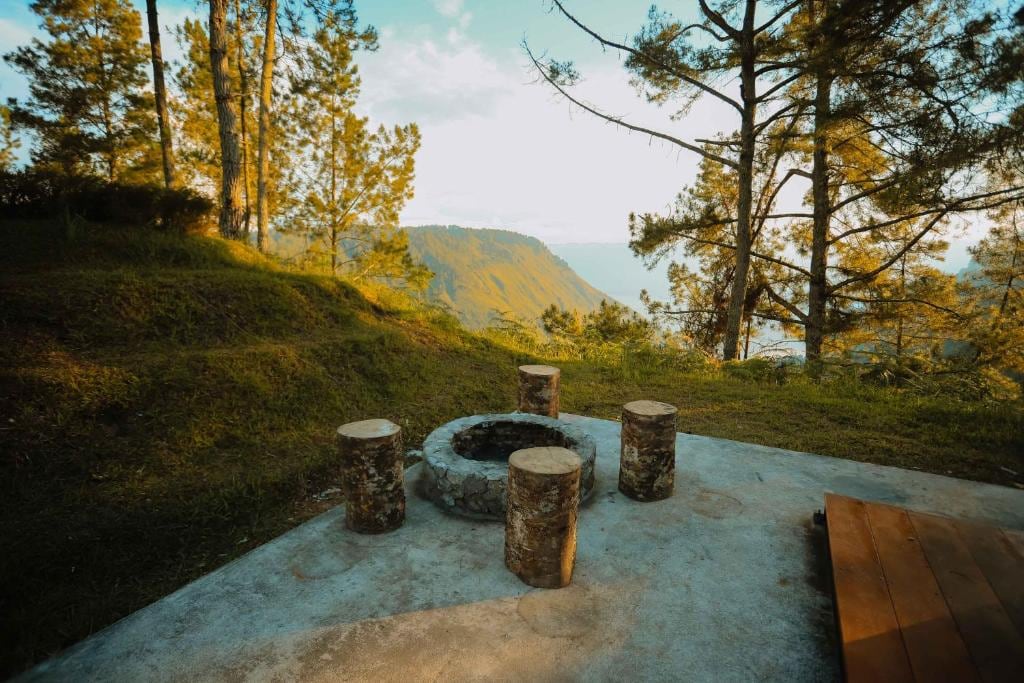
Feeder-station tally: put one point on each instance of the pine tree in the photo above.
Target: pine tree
(8, 142)
(350, 182)
(195, 111)
(160, 94)
(609, 323)
(898, 145)
(232, 210)
(679, 61)
(996, 292)
(702, 224)
(195, 114)
(265, 130)
(88, 108)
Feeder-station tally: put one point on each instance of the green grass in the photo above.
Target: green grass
(167, 404)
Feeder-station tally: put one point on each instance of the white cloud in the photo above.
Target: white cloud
(502, 151)
(13, 33)
(452, 9)
(448, 8)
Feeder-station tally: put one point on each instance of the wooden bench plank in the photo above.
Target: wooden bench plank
(1002, 566)
(995, 646)
(934, 645)
(871, 642)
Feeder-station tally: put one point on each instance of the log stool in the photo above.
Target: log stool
(538, 389)
(540, 525)
(648, 459)
(373, 473)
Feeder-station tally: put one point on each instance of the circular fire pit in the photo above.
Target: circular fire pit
(466, 460)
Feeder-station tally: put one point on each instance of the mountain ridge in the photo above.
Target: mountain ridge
(481, 271)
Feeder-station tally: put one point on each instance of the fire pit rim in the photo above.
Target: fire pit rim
(477, 488)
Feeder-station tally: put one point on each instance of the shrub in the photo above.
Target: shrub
(35, 193)
(751, 370)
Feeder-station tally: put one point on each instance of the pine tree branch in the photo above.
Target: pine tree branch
(774, 296)
(641, 55)
(717, 36)
(962, 204)
(779, 114)
(620, 122)
(764, 97)
(783, 12)
(719, 21)
(907, 300)
(763, 257)
(871, 274)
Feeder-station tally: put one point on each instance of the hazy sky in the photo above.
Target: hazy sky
(500, 150)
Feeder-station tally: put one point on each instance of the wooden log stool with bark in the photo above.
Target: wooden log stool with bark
(648, 457)
(540, 524)
(373, 474)
(538, 389)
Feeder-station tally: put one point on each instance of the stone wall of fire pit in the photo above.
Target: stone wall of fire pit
(466, 460)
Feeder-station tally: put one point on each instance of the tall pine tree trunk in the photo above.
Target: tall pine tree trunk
(744, 209)
(817, 288)
(1013, 266)
(263, 142)
(160, 92)
(243, 102)
(232, 213)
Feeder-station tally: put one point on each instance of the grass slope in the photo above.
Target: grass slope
(480, 271)
(167, 404)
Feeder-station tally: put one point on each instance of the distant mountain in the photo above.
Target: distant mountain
(615, 269)
(480, 271)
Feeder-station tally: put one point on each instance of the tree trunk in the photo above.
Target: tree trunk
(817, 288)
(243, 100)
(110, 155)
(1013, 266)
(231, 209)
(334, 250)
(746, 342)
(160, 92)
(748, 90)
(899, 314)
(334, 187)
(263, 141)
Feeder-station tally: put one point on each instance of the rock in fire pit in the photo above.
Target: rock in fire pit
(466, 460)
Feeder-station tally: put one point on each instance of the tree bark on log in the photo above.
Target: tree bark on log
(538, 389)
(373, 474)
(232, 213)
(160, 94)
(540, 524)
(647, 462)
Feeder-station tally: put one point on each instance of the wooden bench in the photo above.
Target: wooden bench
(925, 598)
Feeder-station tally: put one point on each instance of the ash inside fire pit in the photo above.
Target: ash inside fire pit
(467, 459)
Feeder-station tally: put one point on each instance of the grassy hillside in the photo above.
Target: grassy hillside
(167, 404)
(478, 271)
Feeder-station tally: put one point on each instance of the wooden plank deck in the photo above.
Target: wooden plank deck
(925, 598)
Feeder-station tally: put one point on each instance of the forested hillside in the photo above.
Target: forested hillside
(478, 272)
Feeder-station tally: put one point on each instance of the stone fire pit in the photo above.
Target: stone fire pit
(466, 460)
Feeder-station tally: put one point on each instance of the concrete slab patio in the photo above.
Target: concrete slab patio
(725, 581)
